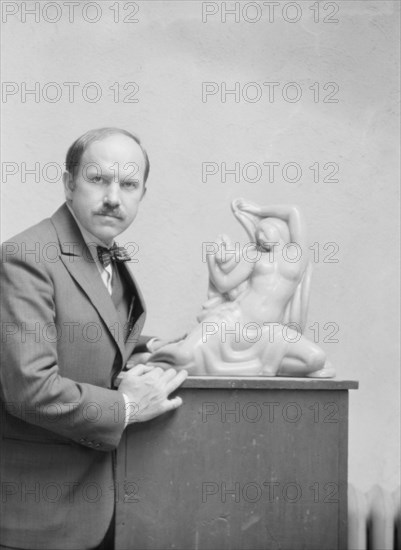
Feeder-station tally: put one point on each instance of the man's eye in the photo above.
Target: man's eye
(130, 184)
(96, 179)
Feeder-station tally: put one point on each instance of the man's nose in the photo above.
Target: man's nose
(112, 195)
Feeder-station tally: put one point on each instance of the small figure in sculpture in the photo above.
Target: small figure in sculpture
(252, 322)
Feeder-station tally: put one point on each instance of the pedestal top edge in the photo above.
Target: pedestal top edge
(262, 382)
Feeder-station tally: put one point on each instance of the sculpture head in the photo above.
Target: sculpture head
(271, 230)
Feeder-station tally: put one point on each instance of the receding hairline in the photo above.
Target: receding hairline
(80, 145)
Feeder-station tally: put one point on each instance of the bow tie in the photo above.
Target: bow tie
(113, 254)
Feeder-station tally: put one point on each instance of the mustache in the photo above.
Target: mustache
(110, 212)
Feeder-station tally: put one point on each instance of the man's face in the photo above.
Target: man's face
(107, 187)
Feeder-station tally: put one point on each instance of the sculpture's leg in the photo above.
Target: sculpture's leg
(305, 358)
(328, 371)
(213, 364)
(272, 349)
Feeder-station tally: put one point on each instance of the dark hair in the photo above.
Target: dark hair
(77, 149)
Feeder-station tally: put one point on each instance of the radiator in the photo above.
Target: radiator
(374, 519)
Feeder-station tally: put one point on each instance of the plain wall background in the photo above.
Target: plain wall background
(168, 53)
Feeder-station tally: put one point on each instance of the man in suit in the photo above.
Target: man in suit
(72, 316)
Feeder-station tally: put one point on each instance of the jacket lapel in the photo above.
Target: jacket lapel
(78, 260)
(137, 311)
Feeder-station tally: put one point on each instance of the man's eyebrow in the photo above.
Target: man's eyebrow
(130, 180)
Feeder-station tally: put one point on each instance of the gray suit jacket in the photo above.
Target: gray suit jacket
(61, 419)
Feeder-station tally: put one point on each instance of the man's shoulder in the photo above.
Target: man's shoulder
(38, 237)
(39, 231)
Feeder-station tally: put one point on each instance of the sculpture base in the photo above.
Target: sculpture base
(245, 463)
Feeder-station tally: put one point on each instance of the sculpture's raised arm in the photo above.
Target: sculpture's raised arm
(249, 214)
(247, 219)
(226, 281)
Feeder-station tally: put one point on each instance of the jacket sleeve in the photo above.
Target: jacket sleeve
(30, 379)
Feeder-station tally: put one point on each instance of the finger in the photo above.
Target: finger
(160, 365)
(155, 371)
(176, 381)
(119, 379)
(172, 404)
(155, 344)
(139, 358)
(140, 369)
(178, 339)
(168, 375)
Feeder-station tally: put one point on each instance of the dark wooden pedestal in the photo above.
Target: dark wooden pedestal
(244, 464)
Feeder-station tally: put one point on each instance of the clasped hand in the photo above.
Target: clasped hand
(147, 389)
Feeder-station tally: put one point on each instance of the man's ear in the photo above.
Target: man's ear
(69, 185)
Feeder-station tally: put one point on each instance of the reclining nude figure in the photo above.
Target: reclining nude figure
(252, 322)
